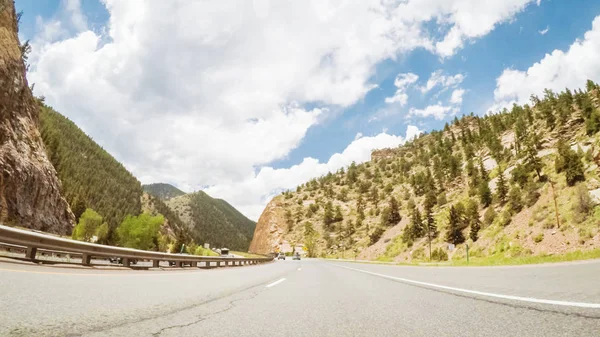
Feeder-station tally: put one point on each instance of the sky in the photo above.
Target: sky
(246, 99)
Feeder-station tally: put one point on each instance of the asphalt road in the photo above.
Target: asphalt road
(302, 298)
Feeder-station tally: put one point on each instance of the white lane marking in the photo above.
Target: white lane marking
(275, 283)
(482, 293)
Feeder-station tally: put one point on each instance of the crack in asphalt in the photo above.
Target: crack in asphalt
(202, 318)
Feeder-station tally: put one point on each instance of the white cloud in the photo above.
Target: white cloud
(457, 96)
(402, 82)
(555, 71)
(257, 189)
(215, 90)
(472, 19)
(544, 31)
(438, 78)
(438, 111)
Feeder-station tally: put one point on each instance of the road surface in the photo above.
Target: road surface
(302, 298)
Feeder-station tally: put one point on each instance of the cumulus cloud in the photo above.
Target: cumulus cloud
(472, 19)
(555, 71)
(457, 96)
(212, 96)
(438, 111)
(438, 78)
(257, 189)
(402, 82)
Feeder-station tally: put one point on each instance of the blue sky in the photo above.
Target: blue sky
(517, 44)
(251, 100)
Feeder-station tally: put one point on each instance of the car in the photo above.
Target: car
(296, 257)
(281, 256)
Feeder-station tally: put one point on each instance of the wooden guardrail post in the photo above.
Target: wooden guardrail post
(155, 263)
(126, 262)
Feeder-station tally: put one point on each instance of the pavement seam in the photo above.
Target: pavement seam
(201, 318)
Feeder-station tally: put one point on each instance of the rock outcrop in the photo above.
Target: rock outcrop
(269, 229)
(30, 192)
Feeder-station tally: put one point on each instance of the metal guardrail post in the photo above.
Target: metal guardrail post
(86, 259)
(31, 243)
(31, 253)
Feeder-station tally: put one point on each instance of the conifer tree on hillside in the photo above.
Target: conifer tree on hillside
(328, 218)
(394, 212)
(454, 234)
(501, 188)
(338, 214)
(485, 194)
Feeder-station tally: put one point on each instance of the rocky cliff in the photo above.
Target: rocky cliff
(269, 229)
(30, 193)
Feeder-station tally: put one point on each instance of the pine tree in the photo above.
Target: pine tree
(501, 188)
(416, 226)
(328, 218)
(574, 168)
(394, 213)
(515, 200)
(483, 173)
(485, 194)
(454, 234)
(338, 214)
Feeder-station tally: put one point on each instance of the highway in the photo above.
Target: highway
(302, 298)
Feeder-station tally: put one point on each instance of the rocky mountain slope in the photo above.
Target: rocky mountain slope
(30, 192)
(162, 191)
(213, 221)
(520, 182)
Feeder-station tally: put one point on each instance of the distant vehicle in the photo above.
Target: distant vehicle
(224, 252)
(281, 256)
(296, 256)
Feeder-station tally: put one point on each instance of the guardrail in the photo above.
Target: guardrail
(32, 241)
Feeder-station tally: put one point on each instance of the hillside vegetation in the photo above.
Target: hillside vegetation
(162, 191)
(213, 221)
(521, 182)
(90, 176)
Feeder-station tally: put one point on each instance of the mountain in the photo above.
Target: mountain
(91, 177)
(518, 183)
(30, 192)
(163, 191)
(213, 221)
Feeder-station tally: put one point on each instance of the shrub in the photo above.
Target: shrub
(441, 199)
(439, 254)
(505, 218)
(515, 202)
(89, 224)
(376, 235)
(140, 232)
(582, 203)
(538, 238)
(489, 216)
(531, 194)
